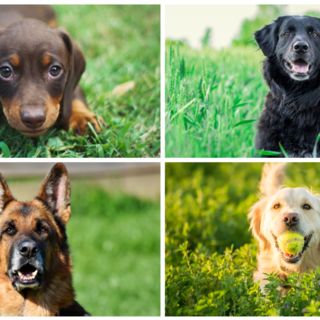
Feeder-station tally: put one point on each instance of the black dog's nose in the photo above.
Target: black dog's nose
(33, 120)
(28, 248)
(300, 46)
(290, 219)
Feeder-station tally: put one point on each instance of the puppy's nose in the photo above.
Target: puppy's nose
(28, 249)
(290, 219)
(33, 120)
(300, 46)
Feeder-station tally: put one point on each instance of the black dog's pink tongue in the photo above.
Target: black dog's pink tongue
(300, 66)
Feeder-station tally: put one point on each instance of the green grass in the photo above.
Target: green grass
(115, 245)
(120, 44)
(213, 101)
(210, 252)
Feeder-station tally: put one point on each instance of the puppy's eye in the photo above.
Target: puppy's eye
(5, 72)
(306, 207)
(286, 34)
(277, 206)
(54, 71)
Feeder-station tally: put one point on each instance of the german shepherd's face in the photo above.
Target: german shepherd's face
(33, 242)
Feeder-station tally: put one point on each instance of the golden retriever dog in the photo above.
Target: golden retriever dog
(281, 210)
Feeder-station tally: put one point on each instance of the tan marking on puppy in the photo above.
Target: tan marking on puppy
(80, 117)
(14, 61)
(52, 23)
(46, 60)
(268, 219)
(11, 109)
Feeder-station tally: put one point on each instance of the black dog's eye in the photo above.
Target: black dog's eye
(314, 34)
(5, 72)
(277, 206)
(286, 34)
(55, 71)
(306, 207)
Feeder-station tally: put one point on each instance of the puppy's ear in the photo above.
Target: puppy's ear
(5, 194)
(267, 37)
(77, 65)
(272, 176)
(55, 191)
(256, 220)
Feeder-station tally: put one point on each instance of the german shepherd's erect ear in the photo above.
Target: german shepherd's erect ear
(5, 194)
(55, 192)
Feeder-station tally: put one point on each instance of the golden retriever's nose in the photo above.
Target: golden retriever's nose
(290, 219)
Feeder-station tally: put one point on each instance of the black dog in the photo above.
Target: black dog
(291, 113)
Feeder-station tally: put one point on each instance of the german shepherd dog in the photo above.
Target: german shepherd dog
(35, 262)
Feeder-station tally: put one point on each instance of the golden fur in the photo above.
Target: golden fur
(267, 222)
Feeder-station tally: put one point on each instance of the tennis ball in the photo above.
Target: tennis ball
(290, 242)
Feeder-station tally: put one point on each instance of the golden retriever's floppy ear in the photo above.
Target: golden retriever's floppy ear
(256, 215)
(77, 65)
(272, 176)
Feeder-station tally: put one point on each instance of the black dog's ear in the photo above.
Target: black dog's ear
(5, 194)
(267, 37)
(55, 191)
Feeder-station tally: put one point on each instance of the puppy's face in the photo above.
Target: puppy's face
(33, 72)
(293, 210)
(295, 43)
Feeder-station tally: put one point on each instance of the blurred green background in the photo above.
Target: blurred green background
(114, 235)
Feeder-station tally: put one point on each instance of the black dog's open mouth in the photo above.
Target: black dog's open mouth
(293, 258)
(298, 67)
(27, 274)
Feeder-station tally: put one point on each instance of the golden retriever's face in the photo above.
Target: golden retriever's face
(290, 209)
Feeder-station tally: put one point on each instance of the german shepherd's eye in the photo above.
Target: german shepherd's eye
(42, 229)
(306, 207)
(277, 206)
(9, 230)
(286, 34)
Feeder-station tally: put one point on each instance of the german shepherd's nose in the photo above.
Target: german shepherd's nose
(28, 249)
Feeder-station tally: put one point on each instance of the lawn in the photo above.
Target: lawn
(120, 44)
(211, 254)
(213, 100)
(115, 245)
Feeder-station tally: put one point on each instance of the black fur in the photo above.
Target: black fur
(291, 113)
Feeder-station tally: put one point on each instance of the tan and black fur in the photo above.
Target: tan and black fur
(35, 262)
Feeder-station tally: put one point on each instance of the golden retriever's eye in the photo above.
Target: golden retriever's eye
(306, 207)
(277, 206)
(286, 34)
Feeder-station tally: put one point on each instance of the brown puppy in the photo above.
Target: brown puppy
(35, 268)
(40, 68)
(281, 210)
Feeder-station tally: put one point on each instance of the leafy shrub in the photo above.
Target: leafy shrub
(211, 255)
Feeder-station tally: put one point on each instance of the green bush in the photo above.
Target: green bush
(210, 253)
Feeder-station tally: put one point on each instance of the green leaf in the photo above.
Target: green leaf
(5, 150)
(244, 122)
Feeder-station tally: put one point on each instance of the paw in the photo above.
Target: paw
(81, 116)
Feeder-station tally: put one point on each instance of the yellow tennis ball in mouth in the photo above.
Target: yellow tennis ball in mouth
(290, 242)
